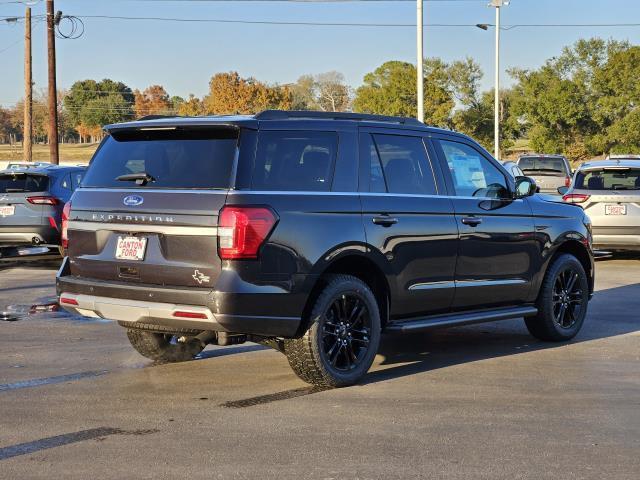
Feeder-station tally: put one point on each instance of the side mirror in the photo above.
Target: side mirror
(525, 187)
(562, 190)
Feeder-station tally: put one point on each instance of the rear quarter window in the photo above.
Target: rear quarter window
(176, 158)
(295, 161)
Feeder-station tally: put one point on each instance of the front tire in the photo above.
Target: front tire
(562, 302)
(164, 347)
(342, 341)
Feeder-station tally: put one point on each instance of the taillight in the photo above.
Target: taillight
(243, 230)
(575, 197)
(43, 200)
(567, 181)
(66, 212)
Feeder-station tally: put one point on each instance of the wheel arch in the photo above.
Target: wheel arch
(580, 252)
(361, 267)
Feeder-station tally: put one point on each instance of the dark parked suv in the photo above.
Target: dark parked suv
(313, 233)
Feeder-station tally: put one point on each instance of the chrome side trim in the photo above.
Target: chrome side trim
(288, 192)
(155, 190)
(143, 228)
(465, 283)
(432, 285)
(489, 283)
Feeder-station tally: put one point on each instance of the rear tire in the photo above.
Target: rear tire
(163, 347)
(343, 338)
(562, 301)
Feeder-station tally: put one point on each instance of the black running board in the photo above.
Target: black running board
(458, 319)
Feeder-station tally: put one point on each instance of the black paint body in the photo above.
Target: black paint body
(429, 262)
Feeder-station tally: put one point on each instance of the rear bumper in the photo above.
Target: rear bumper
(224, 311)
(616, 242)
(25, 235)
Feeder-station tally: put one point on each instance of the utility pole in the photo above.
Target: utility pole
(420, 59)
(27, 134)
(53, 94)
(496, 121)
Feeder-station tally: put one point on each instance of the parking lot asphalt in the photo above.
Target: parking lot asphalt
(488, 401)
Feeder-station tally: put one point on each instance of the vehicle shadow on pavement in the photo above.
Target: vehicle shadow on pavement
(611, 313)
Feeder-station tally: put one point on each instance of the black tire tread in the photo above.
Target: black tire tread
(153, 346)
(542, 325)
(300, 352)
(158, 328)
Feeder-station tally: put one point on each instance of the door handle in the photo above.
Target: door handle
(472, 221)
(385, 220)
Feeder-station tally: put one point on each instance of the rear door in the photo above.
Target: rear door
(408, 221)
(498, 254)
(148, 207)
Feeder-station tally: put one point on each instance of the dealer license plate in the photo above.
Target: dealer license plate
(131, 248)
(7, 210)
(615, 209)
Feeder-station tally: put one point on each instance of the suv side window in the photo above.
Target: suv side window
(295, 160)
(399, 164)
(66, 182)
(472, 174)
(76, 178)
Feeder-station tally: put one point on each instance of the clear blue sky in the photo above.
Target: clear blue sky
(183, 56)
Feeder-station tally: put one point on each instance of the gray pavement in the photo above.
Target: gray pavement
(487, 401)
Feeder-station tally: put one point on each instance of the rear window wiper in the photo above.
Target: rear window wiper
(141, 178)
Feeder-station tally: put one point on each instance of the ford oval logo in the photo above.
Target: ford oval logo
(133, 200)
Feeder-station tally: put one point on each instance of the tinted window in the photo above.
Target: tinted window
(369, 156)
(609, 179)
(543, 164)
(76, 178)
(472, 174)
(19, 182)
(404, 164)
(295, 160)
(66, 182)
(182, 158)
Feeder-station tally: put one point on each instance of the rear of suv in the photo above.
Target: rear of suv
(31, 204)
(313, 233)
(549, 171)
(609, 192)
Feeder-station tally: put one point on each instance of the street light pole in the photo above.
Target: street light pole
(420, 60)
(496, 120)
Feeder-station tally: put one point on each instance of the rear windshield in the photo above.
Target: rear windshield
(609, 179)
(543, 164)
(17, 183)
(171, 158)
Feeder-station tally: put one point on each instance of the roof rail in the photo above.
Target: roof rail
(154, 117)
(315, 115)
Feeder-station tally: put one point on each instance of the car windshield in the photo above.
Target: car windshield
(194, 158)
(20, 182)
(609, 179)
(542, 164)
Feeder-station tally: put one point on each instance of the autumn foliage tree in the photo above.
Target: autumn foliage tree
(154, 100)
(229, 93)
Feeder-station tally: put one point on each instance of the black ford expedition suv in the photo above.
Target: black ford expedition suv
(313, 233)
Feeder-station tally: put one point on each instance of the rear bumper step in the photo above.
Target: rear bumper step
(459, 319)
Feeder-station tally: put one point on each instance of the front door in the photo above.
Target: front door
(498, 253)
